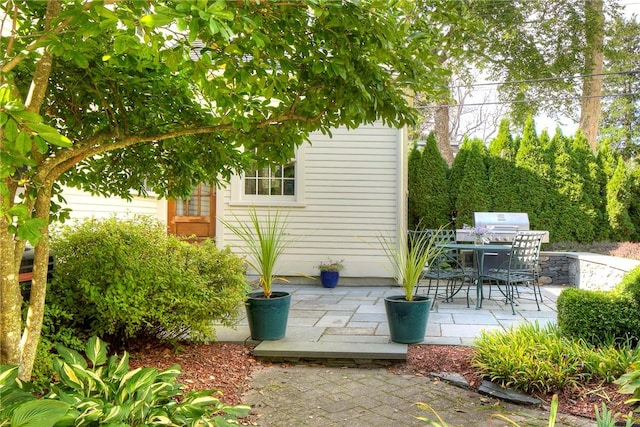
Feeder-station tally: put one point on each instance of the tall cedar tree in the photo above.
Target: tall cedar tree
(618, 201)
(473, 193)
(434, 204)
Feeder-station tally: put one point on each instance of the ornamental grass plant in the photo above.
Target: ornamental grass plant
(265, 240)
(409, 256)
(539, 359)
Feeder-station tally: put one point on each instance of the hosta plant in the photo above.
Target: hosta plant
(97, 390)
(630, 383)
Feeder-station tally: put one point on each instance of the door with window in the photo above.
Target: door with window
(194, 216)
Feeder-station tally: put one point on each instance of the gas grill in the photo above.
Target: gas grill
(502, 228)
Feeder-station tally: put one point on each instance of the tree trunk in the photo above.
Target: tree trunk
(35, 314)
(10, 297)
(441, 132)
(593, 66)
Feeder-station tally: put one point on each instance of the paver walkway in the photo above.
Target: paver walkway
(351, 318)
(300, 395)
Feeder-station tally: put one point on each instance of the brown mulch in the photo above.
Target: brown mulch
(227, 367)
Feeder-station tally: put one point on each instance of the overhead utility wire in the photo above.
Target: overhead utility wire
(546, 79)
(525, 101)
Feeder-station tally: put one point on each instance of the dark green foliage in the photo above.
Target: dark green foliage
(503, 173)
(125, 280)
(599, 316)
(503, 145)
(557, 181)
(634, 203)
(473, 195)
(96, 390)
(533, 187)
(430, 205)
(618, 201)
(591, 201)
(414, 186)
(456, 173)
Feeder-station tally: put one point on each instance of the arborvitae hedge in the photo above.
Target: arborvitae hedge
(415, 187)
(618, 204)
(436, 207)
(473, 192)
(558, 182)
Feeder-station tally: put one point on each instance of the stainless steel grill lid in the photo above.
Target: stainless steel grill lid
(503, 226)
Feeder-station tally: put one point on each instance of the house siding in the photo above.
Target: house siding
(353, 191)
(85, 205)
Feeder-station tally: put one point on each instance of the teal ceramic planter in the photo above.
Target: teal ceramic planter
(407, 319)
(268, 317)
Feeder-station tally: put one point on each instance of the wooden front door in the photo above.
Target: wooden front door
(194, 216)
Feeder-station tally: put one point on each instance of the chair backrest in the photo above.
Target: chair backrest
(446, 257)
(525, 251)
(442, 236)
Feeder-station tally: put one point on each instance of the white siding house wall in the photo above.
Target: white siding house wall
(351, 188)
(84, 205)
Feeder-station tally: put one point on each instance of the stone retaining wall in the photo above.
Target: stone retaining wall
(583, 270)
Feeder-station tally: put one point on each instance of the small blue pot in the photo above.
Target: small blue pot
(329, 279)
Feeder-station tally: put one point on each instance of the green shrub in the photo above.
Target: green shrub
(125, 280)
(108, 393)
(630, 283)
(532, 358)
(599, 316)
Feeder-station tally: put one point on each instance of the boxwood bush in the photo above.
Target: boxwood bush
(125, 280)
(599, 316)
(630, 283)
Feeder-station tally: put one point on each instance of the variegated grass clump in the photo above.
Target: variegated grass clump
(535, 358)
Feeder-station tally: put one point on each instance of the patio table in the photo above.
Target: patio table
(479, 250)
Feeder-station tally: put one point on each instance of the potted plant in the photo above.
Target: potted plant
(265, 240)
(330, 272)
(408, 314)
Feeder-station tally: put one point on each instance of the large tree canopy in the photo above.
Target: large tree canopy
(112, 96)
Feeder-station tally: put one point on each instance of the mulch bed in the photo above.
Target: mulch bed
(227, 367)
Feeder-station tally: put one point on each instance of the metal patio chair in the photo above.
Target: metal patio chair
(520, 270)
(446, 269)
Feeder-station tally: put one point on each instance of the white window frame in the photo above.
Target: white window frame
(239, 198)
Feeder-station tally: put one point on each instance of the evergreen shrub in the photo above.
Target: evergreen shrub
(599, 316)
(125, 280)
(630, 283)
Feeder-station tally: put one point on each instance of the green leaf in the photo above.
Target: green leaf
(28, 116)
(40, 144)
(156, 20)
(23, 143)
(71, 356)
(39, 413)
(79, 59)
(11, 130)
(96, 351)
(8, 374)
(68, 374)
(20, 211)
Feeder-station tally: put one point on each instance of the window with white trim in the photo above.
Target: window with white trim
(277, 180)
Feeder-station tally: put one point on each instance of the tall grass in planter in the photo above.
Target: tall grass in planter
(265, 241)
(408, 314)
